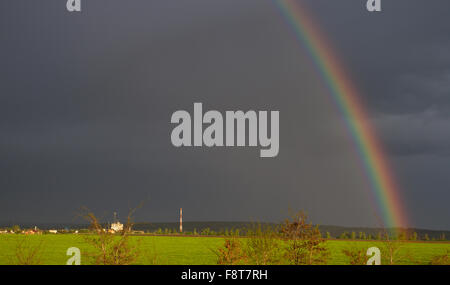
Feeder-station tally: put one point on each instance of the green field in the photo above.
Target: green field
(192, 250)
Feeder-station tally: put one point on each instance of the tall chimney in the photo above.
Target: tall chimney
(181, 220)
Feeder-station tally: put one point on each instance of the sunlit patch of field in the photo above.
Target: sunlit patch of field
(193, 250)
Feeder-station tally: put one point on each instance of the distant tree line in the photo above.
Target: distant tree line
(400, 235)
(403, 235)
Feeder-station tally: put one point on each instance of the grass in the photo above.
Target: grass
(195, 250)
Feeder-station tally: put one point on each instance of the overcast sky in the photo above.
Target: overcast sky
(86, 101)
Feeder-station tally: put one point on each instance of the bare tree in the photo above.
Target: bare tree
(392, 250)
(110, 248)
(28, 251)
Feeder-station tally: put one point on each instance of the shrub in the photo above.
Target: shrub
(27, 252)
(263, 246)
(355, 255)
(231, 253)
(108, 248)
(305, 243)
(441, 259)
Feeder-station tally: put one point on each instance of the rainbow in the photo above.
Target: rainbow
(382, 184)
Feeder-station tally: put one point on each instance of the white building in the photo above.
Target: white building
(117, 226)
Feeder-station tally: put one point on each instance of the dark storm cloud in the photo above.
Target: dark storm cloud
(86, 102)
(400, 57)
(400, 61)
(416, 134)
